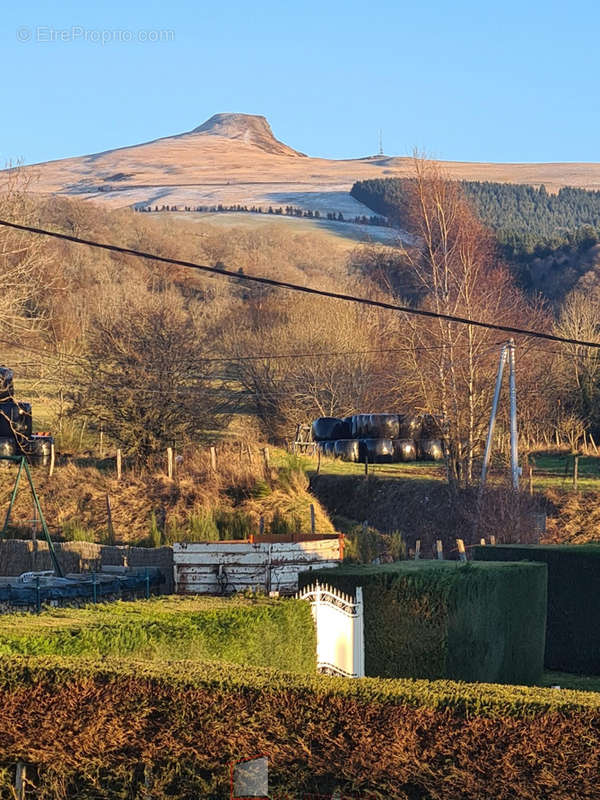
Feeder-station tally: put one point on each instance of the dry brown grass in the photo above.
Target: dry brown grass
(77, 493)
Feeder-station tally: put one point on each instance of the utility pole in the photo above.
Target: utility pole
(380, 142)
(514, 436)
(507, 353)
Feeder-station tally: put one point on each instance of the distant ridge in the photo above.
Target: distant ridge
(249, 128)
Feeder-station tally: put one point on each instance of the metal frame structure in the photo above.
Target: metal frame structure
(22, 462)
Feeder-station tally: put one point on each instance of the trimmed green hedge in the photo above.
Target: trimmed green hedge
(125, 730)
(435, 619)
(259, 632)
(573, 630)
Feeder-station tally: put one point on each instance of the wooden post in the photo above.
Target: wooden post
(530, 481)
(170, 463)
(20, 780)
(482, 542)
(52, 457)
(119, 465)
(109, 522)
(313, 526)
(417, 549)
(493, 541)
(440, 549)
(101, 441)
(267, 459)
(213, 459)
(575, 471)
(318, 460)
(462, 553)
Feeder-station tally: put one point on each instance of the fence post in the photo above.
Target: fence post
(482, 542)
(267, 459)
(318, 460)
(170, 463)
(109, 522)
(417, 549)
(20, 780)
(101, 440)
(313, 526)
(119, 465)
(462, 553)
(493, 541)
(530, 481)
(575, 471)
(213, 458)
(440, 549)
(52, 456)
(359, 636)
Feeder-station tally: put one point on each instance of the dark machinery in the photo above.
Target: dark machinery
(16, 425)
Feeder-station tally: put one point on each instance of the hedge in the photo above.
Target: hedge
(573, 633)
(133, 730)
(435, 619)
(260, 632)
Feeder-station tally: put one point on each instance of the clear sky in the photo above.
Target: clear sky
(463, 80)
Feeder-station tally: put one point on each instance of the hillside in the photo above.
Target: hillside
(235, 158)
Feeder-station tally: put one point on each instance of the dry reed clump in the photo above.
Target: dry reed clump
(574, 518)
(77, 494)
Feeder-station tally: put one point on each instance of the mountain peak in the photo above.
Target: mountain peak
(251, 129)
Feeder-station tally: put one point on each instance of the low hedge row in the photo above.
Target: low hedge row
(436, 619)
(131, 730)
(573, 635)
(259, 632)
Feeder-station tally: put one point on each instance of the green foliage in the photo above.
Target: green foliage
(233, 524)
(74, 531)
(363, 546)
(258, 632)
(572, 643)
(284, 525)
(155, 535)
(429, 619)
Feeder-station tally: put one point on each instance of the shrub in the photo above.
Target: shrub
(430, 619)
(572, 642)
(74, 531)
(92, 730)
(257, 632)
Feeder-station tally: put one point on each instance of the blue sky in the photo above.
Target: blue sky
(464, 80)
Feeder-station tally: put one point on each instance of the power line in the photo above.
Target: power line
(228, 273)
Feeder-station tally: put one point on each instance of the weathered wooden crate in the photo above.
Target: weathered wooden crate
(267, 563)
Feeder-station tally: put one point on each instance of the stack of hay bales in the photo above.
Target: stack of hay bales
(380, 438)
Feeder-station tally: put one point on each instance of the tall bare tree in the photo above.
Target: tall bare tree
(449, 368)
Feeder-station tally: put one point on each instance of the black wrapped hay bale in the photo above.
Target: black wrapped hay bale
(329, 428)
(328, 448)
(346, 449)
(375, 426)
(376, 451)
(409, 426)
(430, 450)
(404, 450)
